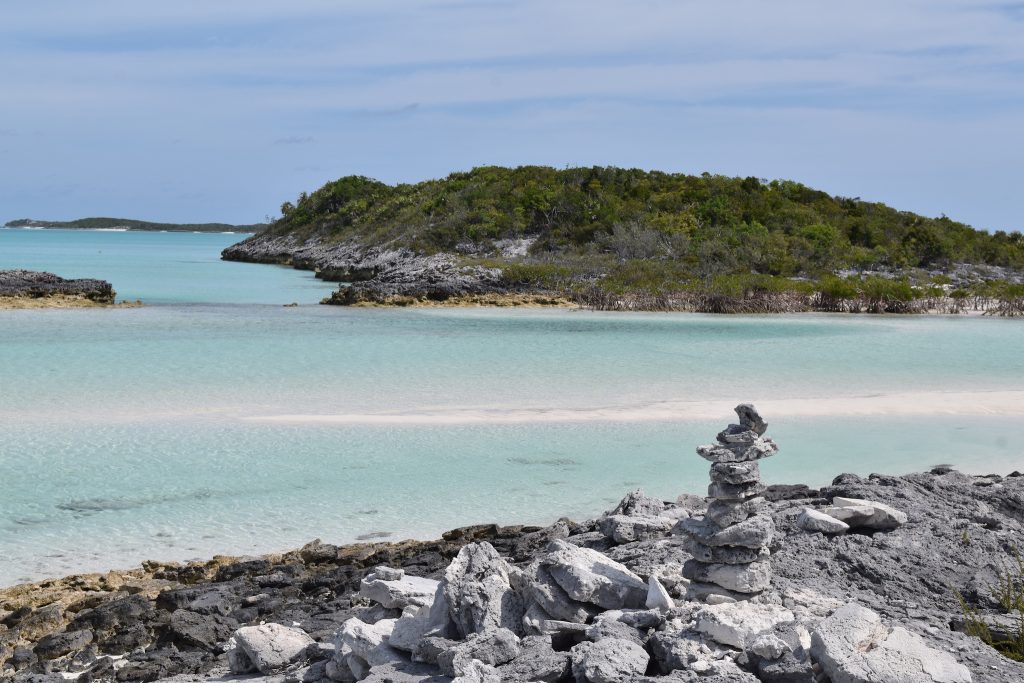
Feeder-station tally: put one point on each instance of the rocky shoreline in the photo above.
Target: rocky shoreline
(384, 276)
(861, 580)
(33, 289)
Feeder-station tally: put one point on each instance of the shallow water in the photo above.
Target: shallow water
(182, 430)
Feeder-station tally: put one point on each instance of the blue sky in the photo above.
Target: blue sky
(222, 110)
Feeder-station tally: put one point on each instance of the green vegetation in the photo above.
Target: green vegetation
(119, 223)
(606, 233)
(1009, 593)
(737, 224)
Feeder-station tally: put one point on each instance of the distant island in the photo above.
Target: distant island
(130, 224)
(626, 239)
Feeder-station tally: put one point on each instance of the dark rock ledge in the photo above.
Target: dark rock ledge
(903, 578)
(43, 287)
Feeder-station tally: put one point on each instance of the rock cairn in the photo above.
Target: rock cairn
(730, 543)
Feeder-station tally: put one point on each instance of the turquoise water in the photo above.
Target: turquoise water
(159, 267)
(181, 430)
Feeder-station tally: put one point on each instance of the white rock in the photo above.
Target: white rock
(478, 672)
(478, 589)
(741, 578)
(854, 646)
(590, 577)
(883, 517)
(813, 520)
(657, 596)
(397, 593)
(368, 642)
(737, 623)
(266, 648)
(769, 646)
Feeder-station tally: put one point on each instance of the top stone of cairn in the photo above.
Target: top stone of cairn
(741, 442)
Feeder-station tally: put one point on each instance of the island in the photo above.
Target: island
(34, 289)
(129, 224)
(626, 239)
(910, 579)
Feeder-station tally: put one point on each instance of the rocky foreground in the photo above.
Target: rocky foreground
(27, 288)
(858, 581)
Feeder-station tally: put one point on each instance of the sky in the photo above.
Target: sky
(221, 110)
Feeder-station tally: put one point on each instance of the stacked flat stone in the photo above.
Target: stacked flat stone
(730, 544)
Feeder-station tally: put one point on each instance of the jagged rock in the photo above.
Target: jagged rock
(736, 472)
(676, 650)
(769, 646)
(478, 672)
(754, 532)
(627, 529)
(637, 504)
(494, 647)
(432, 647)
(726, 513)
(740, 578)
(751, 419)
(393, 589)
(786, 669)
(735, 492)
(868, 514)
(737, 623)
(853, 646)
(479, 591)
(741, 452)
(362, 646)
(657, 596)
(553, 599)
(590, 577)
(726, 554)
(266, 648)
(608, 661)
(59, 644)
(537, 661)
(404, 672)
(813, 520)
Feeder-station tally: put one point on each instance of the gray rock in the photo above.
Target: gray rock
(397, 592)
(813, 520)
(854, 646)
(59, 644)
(726, 554)
(754, 532)
(726, 513)
(266, 648)
(736, 472)
(769, 646)
(537, 661)
(740, 578)
(626, 529)
(478, 672)
(750, 418)
(405, 672)
(762, 448)
(494, 647)
(588, 576)
(735, 492)
(364, 645)
(881, 517)
(737, 624)
(636, 504)
(608, 661)
(478, 589)
(553, 599)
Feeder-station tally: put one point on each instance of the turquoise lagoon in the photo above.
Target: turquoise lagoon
(215, 420)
